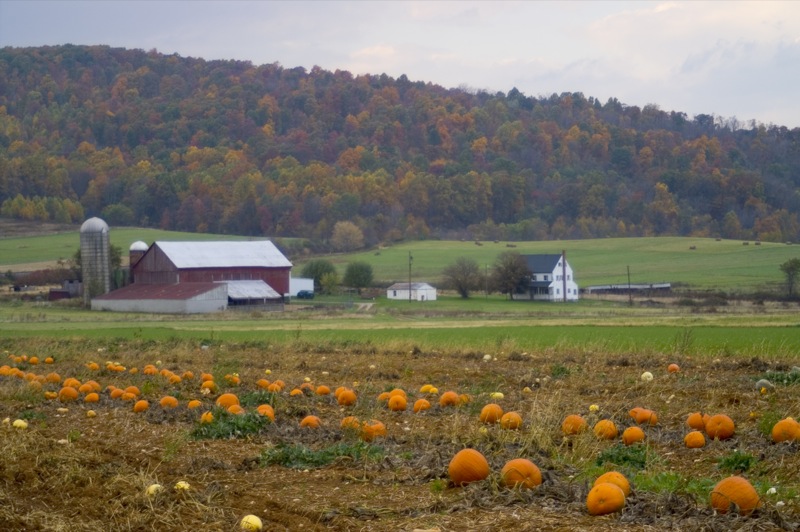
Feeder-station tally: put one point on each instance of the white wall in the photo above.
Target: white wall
(300, 283)
(162, 306)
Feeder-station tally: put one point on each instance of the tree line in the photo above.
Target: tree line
(143, 138)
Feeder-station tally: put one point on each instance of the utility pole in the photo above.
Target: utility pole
(630, 293)
(410, 260)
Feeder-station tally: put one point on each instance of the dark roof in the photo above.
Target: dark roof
(177, 291)
(544, 263)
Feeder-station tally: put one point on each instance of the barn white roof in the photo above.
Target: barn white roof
(251, 290)
(258, 253)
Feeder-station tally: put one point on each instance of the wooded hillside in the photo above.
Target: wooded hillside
(142, 138)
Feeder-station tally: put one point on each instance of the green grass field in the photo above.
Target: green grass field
(726, 264)
(712, 265)
(30, 249)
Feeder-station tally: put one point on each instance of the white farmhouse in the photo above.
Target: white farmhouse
(552, 278)
(411, 291)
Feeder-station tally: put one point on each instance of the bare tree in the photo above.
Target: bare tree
(463, 276)
(791, 271)
(510, 274)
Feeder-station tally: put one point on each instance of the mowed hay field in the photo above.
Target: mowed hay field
(68, 471)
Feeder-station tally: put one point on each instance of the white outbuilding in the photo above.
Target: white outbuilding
(411, 292)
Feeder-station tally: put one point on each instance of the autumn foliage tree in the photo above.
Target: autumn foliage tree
(346, 237)
(187, 144)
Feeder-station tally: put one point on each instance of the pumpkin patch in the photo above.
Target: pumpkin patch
(460, 452)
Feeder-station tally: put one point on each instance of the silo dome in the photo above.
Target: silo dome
(94, 225)
(95, 258)
(139, 246)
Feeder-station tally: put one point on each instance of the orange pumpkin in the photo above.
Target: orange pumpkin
(116, 393)
(449, 398)
(673, 368)
(206, 418)
(127, 396)
(511, 421)
(226, 400)
(194, 403)
(468, 465)
(617, 478)
(53, 378)
(266, 411)
(350, 423)
(734, 490)
(346, 397)
(168, 401)
(786, 430)
(605, 429)
(694, 440)
(644, 416)
(720, 427)
(72, 382)
(67, 394)
(695, 421)
(310, 422)
(573, 424)
(632, 435)
(140, 406)
(397, 403)
(91, 397)
(420, 405)
(323, 390)
(236, 410)
(372, 429)
(262, 383)
(133, 390)
(605, 498)
(491, 413)
(522, 473)
(398, 391)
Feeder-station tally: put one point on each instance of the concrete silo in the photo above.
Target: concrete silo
(95, 258)
(136, 252)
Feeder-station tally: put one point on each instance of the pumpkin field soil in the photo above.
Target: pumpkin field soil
(70, 472)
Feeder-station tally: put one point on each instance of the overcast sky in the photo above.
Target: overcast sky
(730, 59)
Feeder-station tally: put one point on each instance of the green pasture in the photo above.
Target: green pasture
(25, 250)
(700, 263)
(725, 264)
(491, 325)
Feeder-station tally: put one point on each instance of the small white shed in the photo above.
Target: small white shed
(411, 291)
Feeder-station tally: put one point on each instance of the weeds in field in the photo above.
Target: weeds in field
(173, 445)
(298, 456)
(736, 462)
(632, 457)
(227, 425)
(672, 482)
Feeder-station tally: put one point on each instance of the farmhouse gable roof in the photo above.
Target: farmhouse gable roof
(542, 263)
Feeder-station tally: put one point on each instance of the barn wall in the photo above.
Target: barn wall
(155, 268)
(277, 278)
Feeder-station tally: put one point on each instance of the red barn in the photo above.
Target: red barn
(208, 262)
(252, 272)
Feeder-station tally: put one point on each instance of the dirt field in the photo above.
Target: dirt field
(67, 471)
